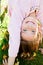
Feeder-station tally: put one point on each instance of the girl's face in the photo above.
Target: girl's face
(29, 29)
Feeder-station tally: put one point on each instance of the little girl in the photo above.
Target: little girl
(18, 10)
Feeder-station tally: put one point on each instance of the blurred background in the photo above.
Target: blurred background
(4, 36)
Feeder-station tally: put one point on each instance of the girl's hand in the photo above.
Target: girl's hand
(5, 62)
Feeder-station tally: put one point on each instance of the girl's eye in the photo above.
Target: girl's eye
(33, 31)
(24, 30)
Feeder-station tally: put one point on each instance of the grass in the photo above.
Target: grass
(38, 60)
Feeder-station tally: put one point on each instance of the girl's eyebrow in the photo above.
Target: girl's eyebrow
(30, 21)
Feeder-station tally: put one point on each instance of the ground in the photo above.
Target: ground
(38, 60)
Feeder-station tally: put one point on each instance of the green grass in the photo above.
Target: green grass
(38, 60)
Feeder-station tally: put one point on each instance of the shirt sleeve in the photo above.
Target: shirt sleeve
(14, 29)
(41, 14)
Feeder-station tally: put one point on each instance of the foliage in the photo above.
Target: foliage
(4, 36)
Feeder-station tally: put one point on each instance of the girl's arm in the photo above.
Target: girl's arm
(14, 29)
